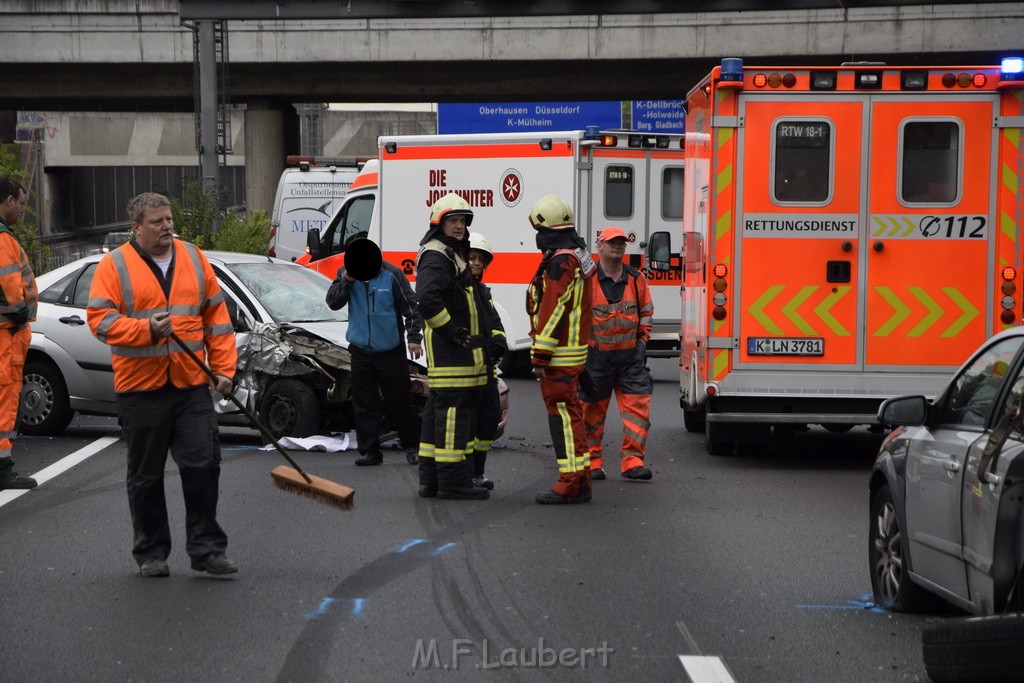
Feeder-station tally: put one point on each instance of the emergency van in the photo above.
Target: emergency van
(850, 234)
(629, 179)
(308, 194)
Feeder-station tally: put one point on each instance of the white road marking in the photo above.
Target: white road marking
(67, 462)
(705, 669)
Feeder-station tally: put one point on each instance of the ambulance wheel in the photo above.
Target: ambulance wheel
(290, 408)
(693, 420)
(712, 441)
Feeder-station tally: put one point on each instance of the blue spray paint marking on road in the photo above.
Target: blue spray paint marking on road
(409, 544)
(325, 605)
(863, 602)
(442, 548)
(357, 606)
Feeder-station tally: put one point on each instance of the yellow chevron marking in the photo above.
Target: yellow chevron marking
(894, 221)
(757, 309)
(901, 311)
(969, 312)
(789, 310)
(881, 226)
(723, 224)
(822, 311)
(911, 227)
(934, 312)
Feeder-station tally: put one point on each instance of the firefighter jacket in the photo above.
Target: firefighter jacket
(620, 325)
(494, 331)
(377, 309)
(450, 305)
(128, 288)
(18, 294)
(559, 302)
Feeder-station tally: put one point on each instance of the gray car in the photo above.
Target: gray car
(294, 368)
(947, 511)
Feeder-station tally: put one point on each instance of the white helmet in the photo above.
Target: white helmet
(477, 241)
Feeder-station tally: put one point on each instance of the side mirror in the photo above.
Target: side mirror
(903, 410)
(313, 243)
(240, 321)
(659, 251)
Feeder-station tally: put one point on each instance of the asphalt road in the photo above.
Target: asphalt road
(753, 566)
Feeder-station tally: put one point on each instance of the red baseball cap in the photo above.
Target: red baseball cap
(610, 233)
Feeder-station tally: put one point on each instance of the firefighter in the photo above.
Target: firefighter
(559, 303)
(456, 362)
(617, 359)
(18, 297)
(489, 409)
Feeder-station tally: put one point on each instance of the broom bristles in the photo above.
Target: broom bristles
(318, 489)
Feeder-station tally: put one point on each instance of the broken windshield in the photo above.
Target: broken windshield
(290, 294)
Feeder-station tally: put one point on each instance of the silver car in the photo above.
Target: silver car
(947, 509)
(294, 368)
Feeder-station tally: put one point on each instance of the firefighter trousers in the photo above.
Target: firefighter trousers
(560, 389)
(13, 348)
(488, 414)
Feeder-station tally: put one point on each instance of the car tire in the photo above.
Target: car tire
(45, 406)
(712, 444)
(989, 648)
(290, 408)
(890, 581)
(693, 420)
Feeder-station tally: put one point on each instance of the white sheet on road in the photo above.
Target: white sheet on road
(324, 444)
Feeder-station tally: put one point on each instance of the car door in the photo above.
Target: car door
(936, 463)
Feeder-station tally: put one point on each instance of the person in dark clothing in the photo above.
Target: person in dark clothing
(488, 412)
(382, 316)
(456, 360)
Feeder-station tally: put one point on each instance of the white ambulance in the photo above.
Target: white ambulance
(309, 193)
(624, 178)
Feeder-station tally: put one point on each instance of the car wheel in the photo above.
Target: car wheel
(693, 420)
(45, 408)
(890, 582)
(712, 443)
(290, 408)
(987, 648)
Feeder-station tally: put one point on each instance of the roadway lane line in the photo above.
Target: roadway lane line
(705, 669)
(66, 463)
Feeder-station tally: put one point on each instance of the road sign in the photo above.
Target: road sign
(658, 116)
(515, 117)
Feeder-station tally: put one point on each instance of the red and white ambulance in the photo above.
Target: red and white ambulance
(851, 233)
(629, 179)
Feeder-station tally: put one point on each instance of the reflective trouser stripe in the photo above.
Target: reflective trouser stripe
(635, 410)
(560, 389)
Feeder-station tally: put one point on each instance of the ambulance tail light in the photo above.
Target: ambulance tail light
(1008, 288)
(711, 389)
(823, 80)
(607, 140)
(914, 80)
(1011, 73)
(720, 284)
(964, 80)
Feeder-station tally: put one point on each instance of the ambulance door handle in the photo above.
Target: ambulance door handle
(878, 246)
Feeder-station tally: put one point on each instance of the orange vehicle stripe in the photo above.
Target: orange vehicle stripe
(524, 149)
(364, 181)
(636, 153)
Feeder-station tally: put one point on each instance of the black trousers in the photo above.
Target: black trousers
(182, 420)
(381, 374)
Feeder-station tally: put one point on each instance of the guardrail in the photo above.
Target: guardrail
(65, 247)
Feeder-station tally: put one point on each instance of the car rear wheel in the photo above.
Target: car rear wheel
(987, 648)
(290, 408)
(890, 581)
(45, 407)
(693, 420)
(713, 442)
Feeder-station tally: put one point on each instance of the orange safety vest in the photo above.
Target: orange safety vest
(620, 325)
(18, 294)
(125, 294)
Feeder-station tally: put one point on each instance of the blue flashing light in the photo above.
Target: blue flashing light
(591, 132)
(732, 69)
(1012, 68)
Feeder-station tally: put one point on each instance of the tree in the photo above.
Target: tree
(27, 229)
(199, 220)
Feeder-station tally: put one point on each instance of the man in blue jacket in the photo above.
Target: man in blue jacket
(383, 315)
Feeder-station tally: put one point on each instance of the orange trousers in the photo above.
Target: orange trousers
(13, 348)
(560, 389)
(635, 410)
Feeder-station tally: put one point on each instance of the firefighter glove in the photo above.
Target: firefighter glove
(461, 337)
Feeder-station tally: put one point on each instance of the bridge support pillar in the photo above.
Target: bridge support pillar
(268, 128)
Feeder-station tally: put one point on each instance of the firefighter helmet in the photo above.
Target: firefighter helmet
(477, 242)
(551, 211)
(450, 204)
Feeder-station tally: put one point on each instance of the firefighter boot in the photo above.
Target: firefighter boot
(569, 489)
(453, 482)
(479, 461)
(428, 478)
(597, 467)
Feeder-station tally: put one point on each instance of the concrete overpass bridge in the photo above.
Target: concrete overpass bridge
(104, 55)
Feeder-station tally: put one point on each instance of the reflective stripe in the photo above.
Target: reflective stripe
(104, 326)
(567, 440)
(214, 300)
(214, 330)
(127, 295)
(439, 320)
(426, 450)
(13, 268)
(13, 309)
(9, 435)
(101, 303)
(139, 351)
(454, 370)
(482, 444)
(464, 383)
(5, 452)
(197, 265)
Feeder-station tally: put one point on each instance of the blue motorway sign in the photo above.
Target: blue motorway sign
(658, 116)
(517, 117)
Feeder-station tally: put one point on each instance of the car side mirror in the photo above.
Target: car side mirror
(313, 243)
(903, 410)
(240, 321)
(659, 251)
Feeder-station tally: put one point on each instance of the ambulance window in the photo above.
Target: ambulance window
(930, 165)
(618, 192)
(672, 192)
(803, 161)
(355, 223)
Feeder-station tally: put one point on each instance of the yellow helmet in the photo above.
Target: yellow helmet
(477, 242)
(551, 211)
(451, 204)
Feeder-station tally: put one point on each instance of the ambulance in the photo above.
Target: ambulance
(625, 178)
(309, 193)
(850, 233)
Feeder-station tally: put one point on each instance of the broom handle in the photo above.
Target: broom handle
(248, 413)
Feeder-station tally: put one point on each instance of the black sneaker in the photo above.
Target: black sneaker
(370, 459)
(552, 498)
(598, 474)
(154, 566)
(638, 473)
(214, 563)
(16, 481)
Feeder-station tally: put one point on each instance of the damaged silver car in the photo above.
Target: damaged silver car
(294, 368)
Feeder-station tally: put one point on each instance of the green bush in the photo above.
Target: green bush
(26, 230)
(244, 232)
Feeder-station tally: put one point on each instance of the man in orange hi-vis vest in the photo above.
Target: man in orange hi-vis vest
(617, 360)
(140, 293)
(558, 302)
(18, 299)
